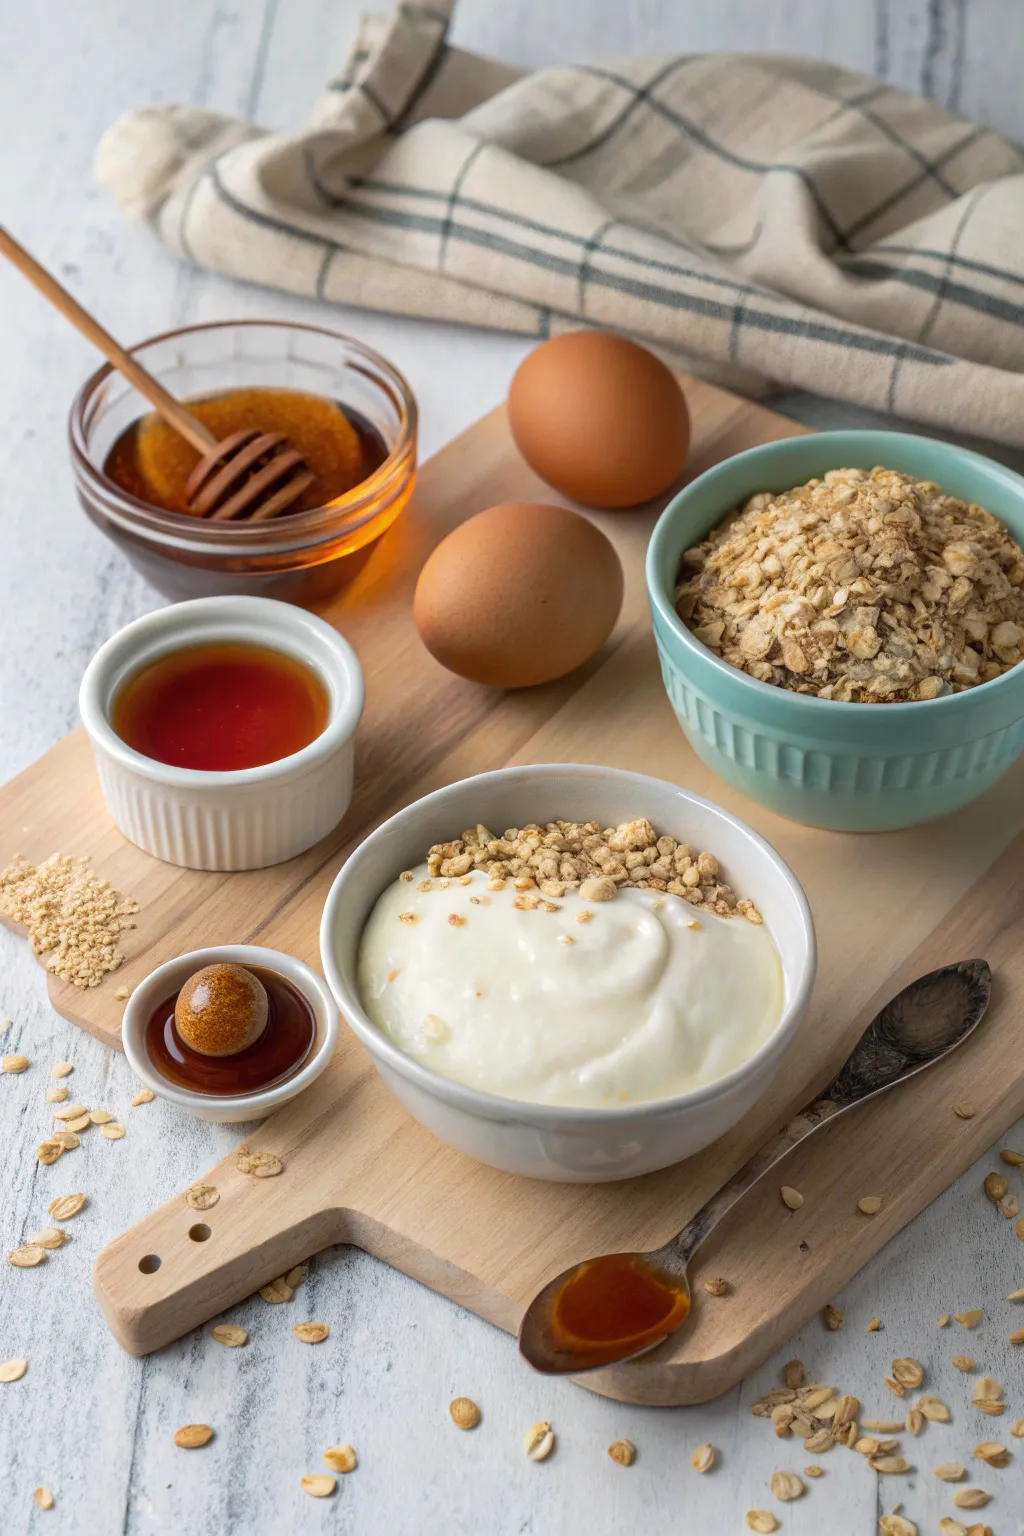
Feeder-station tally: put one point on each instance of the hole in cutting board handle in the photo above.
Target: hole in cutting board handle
(199, 1233)
(150, 1263)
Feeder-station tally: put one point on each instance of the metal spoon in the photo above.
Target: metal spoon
(919, 1026)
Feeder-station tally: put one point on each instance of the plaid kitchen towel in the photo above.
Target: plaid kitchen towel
(766, 219)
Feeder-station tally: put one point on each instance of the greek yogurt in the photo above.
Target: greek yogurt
(566, 1001)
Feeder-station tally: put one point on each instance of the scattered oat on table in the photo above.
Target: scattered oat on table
(622, 1451)
(144, 1096)
(56, 1095)
(12, 1370)
(230, 1335)
(786, 1486)
(703, 1458)
(340, 1458)
(69, 1140)
(993, 1452)
(48, 1151)
(950, 1471)
(969, 1319)
(61, 1069)
(970, 1498)
(761, 1521)
(70, 913)
(813, 1471)
(26, 1257)
(100, 1116)
(464, 1413)
(49, 1237)
(112, 1132)
(277, 1291)
(874, 1326)
(191, 1436)
(319, 1485)
(295, 1276)
(311, 1333)
(43, 1498)
(861, 586)
(539, 1441)
(832, 1317)
(14, 1064)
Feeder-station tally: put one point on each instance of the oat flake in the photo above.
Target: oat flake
(13, 1370)
(340, 1458)
(319, 1485)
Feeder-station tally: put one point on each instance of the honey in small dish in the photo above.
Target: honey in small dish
(220, 706)
(153, 463)
(276, 1053)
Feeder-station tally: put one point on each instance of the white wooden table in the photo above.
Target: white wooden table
(96, 1426)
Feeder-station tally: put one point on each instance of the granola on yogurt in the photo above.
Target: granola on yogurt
(862, 587)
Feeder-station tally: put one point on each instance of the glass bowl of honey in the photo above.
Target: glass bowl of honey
(340, 404)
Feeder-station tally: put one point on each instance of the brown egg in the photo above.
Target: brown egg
(221, 1010)
(518, 595)
(599, 418)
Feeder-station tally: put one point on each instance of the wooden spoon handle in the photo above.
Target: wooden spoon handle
(172, 411)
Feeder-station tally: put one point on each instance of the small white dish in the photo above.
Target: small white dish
(570, 1143)
(171, 977)
(249, 817)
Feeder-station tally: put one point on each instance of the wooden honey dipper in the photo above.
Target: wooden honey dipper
(248, 475)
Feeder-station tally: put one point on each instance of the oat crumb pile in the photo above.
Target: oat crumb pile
(561, 856)
(859, 587)
(70, 912)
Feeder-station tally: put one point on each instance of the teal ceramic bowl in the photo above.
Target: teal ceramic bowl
(852, 767)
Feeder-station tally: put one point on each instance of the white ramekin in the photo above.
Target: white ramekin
(249, 817)
(171, 977)
(570, 1144)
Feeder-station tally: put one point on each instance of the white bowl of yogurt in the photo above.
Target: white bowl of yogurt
(555, 1036)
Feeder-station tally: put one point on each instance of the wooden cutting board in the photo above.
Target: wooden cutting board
(887, 907)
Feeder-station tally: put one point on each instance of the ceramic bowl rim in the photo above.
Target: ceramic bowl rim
(557, 1116)
(328, 652)
(661, 598)
(146, 993)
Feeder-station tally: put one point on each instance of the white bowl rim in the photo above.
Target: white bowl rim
(146, 992)
(316, 640)
(493, 1106)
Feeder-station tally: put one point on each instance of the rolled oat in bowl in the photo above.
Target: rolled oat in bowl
(860, 587)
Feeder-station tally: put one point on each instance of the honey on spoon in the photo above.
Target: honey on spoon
(231, 1029)
(615, 1307)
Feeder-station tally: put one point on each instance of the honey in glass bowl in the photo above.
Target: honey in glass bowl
(338, 402)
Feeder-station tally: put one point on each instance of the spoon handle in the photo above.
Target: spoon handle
(915, 1028)
(173, 412)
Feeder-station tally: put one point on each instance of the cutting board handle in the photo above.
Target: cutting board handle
(180, 1266)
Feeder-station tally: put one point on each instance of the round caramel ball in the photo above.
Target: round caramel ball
(221, 1010)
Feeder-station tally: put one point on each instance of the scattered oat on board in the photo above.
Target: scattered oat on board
(716, 1285)
(561, 856)
(201, 1197)
(122, 994)
(230, 1335)
(964, 1110)
(863, 586)
(870, 1205)
(464, 1413)
(791, 1197)
(539, 1441)
(71, 915)
(191, 1436)
(340, 1458)
(319, 1485)
(311, 1333)
(703, 1458)
(12, 1370)
(261, 1165)
(622, 1451)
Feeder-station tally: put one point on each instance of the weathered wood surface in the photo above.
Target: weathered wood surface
(87, 1420)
